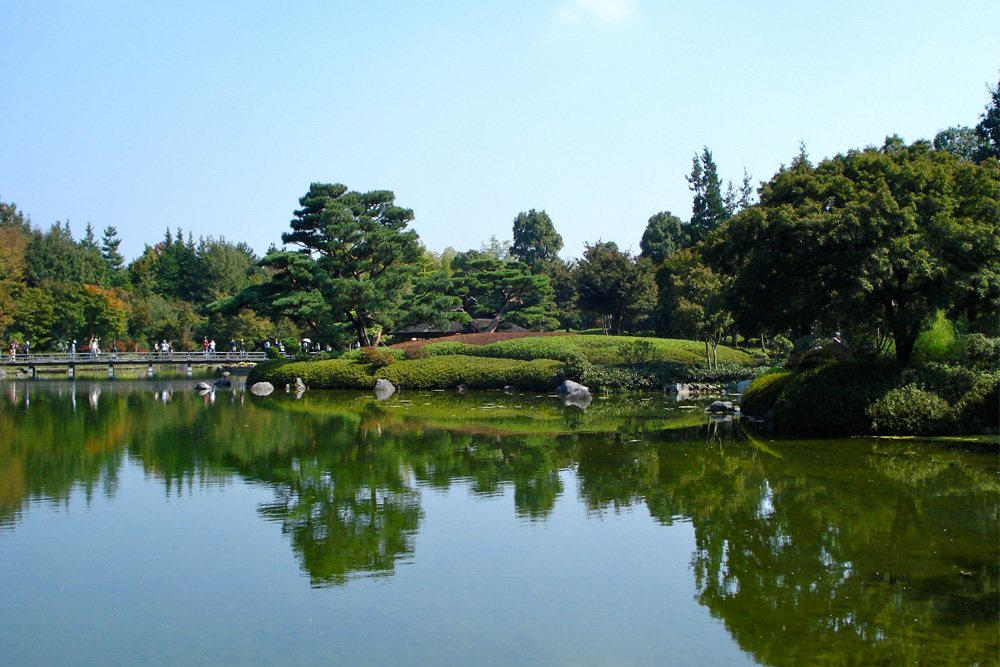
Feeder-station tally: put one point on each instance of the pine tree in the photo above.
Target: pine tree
(109, 249)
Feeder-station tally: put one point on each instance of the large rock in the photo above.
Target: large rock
(574, 393)
(203, 386)
(742, 386)
(570, 389)
(383, 389)
(262, 388)
(725, 407)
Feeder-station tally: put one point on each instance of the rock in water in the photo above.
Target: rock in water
(742, 386)
(722, 406)
(261, 388)
(574, 393)
(383, 389)
(203, 386)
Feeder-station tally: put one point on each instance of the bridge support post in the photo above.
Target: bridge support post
(111, 371)
(31, 371)
(70, 371)
(149, 371)
(189, 369)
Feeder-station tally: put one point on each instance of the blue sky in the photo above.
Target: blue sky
(216, 116)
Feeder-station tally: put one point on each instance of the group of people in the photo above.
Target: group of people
(165, 347)
(26, 348)
(242, 347)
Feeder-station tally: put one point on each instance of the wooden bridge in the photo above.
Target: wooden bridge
(151, 360)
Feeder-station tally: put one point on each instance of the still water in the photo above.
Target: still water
(143, 523)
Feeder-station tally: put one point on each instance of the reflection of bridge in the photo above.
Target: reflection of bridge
(70, 360)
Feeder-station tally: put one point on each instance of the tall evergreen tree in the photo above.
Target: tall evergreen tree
(709, 208)
(109, 250)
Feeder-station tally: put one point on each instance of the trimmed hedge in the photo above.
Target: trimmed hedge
(331, 374)
(833, 399)
(447, 372)
(763, 392)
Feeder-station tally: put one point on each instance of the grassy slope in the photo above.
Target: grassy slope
(484, 361)
(596, 349)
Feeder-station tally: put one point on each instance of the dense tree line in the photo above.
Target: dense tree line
(876, 242)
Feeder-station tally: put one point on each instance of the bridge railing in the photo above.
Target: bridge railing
(70, 358)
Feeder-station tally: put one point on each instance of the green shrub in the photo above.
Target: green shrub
(576, 367)
(724, 372)
(950, 382)
(651, 376)
(780, 345)
(763, 393)
(447, 372)
(637, 351)
(272, 353)
(909, 410)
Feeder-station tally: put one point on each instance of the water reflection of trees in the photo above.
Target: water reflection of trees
(854, 551)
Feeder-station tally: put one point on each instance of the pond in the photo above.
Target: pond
(143, 523)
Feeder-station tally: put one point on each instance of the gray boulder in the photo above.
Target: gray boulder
(725, 407)
(742, 386)
(574, 393)
(262, 389)
(383, 389)
(203, 386)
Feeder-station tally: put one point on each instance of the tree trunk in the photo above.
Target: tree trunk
(498, 317)
(905, 341)
(362, 331)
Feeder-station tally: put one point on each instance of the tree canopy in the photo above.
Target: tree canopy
(880, 237)
(536, 242)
